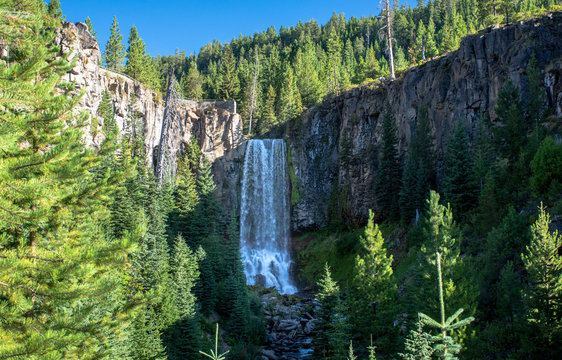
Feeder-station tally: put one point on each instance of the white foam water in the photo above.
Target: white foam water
(265, 215)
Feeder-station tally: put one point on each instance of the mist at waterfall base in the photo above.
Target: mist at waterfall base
(265, 215)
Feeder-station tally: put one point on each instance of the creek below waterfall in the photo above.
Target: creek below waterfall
(290, 323)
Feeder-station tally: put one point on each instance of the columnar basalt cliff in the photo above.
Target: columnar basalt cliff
(335, 149)
(214, 125)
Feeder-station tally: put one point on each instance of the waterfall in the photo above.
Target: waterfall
(265, 215)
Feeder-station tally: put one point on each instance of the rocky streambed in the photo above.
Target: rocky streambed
(290, 323)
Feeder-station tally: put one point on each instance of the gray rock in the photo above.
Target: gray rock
(459, 85)
(269, 354)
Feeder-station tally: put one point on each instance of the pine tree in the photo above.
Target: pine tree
(483, 152)
(334, 49)
(458, 186)
(91, 28)
(418, 344)
(536, 99)
(446, 348)
(230, 84)
(374, 286)
(387, 186)
(186, 201)
(135, 55)
(331, 336)
(114, 53)
(207, 212)
(430, 44)
(420, 42)
(193, 83)
(441, 237)
(185, 272)
(546, 167)
(414, 188)
(510, 136)
(106, 112)
(54, 10)
(544, 296)
(57, 267)
(268, 119)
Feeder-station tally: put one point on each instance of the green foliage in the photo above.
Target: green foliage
(140, 65)
(446, 348)
(192, 83)
(230, 86)
(374, 288)
(91, 30)
(59, 269)
(332, 332)
(458, 185)
(544, 296)
(215, 355)
(387, 186)
(441, 241)
(418, 345)
(114, 53)
(547, 167)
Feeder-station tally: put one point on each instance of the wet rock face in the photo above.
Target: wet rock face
(214, 126)
(335, 150)
(289, 322)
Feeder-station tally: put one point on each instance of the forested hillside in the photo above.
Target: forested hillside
(295, 67)
(100, 260)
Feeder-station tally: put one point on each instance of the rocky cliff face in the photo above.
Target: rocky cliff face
(335, 150)
(214, 125)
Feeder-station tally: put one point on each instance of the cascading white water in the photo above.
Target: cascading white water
(265, 215)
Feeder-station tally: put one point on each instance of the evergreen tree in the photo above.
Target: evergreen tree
(91, 28)
(230, 85)
(192, 83)
(536, 99)
(420, 42)
(511, 134)
(268, 116)
(446, 348)
(547, 167)
(484, 156)
(414, 188)
(458, 186)
(430, 44)
(54, 10)
(374, 286)
(331, 335)
(207, 211)
(186, 201)
(441, 237)
(387, 186)
(114, 53)
(185, 335)
(106, 112)
(135, 55)
(58, 270)
(334, 49)
(544, 296)
(418, 344)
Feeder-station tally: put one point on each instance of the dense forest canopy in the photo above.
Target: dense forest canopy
(100, 261)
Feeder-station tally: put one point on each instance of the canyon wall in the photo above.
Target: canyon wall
(334, 151)
(214, 125)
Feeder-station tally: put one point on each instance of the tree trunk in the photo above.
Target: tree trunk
(389, 37)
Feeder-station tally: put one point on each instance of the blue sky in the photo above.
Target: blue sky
(188, 25)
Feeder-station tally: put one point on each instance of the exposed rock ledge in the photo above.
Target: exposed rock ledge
(215, 125)
(460, 85)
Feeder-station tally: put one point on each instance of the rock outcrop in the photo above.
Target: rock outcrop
(214, 125)
(334, 153)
